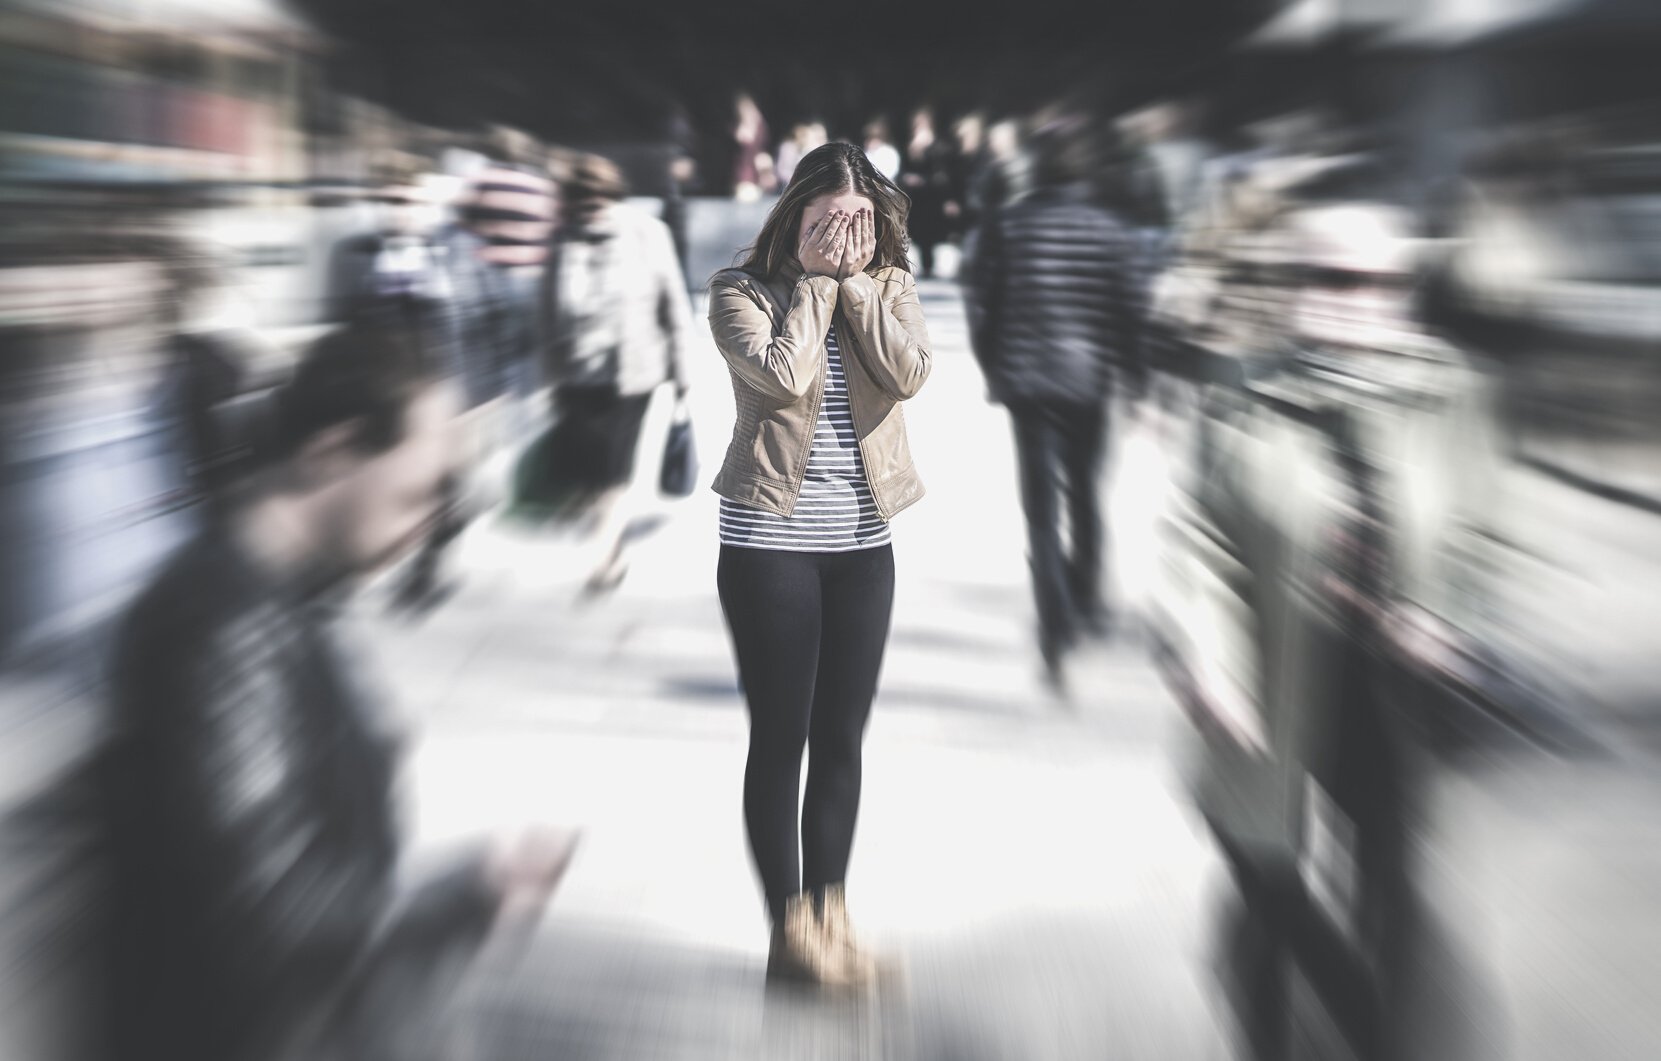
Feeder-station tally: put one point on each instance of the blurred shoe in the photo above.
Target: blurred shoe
(798, 953)
(604, 581)
(858, 963)
(642, 527)
(421, 592)
(1053, 648)
(1096, 623)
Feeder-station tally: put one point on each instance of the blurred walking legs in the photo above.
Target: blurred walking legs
(1059, 447)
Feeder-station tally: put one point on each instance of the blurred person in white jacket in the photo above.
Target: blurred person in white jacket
(615, 322)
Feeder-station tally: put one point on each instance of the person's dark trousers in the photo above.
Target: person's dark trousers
(808, 632)
(1059, 448)
(925, 256)
(674, 215)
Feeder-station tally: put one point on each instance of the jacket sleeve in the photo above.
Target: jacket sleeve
(781, 366)
(892, 344)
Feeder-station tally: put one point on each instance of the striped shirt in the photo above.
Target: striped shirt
(513, 209)
(835, 512)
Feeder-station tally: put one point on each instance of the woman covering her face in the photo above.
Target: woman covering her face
(823, 336)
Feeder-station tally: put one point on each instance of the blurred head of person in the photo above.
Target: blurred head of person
(835, 176)
(514, 147)
(1003, 139)
(1061, 154)
(403, 201)
(195, 275)
(876, 132)
(971, 131)
(363, 444)
(592, 184)
(1357, 265)
(922, 121)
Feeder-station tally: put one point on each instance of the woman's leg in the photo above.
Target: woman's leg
(617, 442)
(772, 605)
(858, 600)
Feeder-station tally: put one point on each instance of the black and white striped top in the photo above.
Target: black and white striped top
(835, 512)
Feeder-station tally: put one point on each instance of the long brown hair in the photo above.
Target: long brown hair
(831, 169)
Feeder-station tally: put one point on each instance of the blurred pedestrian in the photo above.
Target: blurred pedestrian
(1053, 318)
(823, 335)
(682, 177)
(511, 205)
(996, 176)
(753, 165)
(879, 148)
(616, 318)
(491, 268)
(804, 137)
(396, 271)
(246, 787)
(210, 399)
(511, 202)
(967, 156)
(926, 176)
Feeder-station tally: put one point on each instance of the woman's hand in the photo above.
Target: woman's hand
(861, 244)
(820, 251)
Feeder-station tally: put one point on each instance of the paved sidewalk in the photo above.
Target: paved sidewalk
(1029, 862)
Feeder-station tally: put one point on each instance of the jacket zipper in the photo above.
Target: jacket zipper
(812, 430)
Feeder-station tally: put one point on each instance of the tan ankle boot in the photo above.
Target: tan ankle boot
(858, 964)
(798, 950)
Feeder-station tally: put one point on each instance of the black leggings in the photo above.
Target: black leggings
(808, 631)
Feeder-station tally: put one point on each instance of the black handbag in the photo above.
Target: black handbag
(679, 475)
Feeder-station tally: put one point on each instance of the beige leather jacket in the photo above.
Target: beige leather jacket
(772, 334)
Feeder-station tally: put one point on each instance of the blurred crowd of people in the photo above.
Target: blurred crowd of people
(240, 794)
(1277, 294)
(949, 173)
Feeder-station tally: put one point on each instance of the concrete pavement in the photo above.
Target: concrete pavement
(1029, 862)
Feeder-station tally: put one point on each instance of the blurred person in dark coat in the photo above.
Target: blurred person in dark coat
(968, 155)
(258, 909)
(994, 175)
(1053, 321)
(926, 176)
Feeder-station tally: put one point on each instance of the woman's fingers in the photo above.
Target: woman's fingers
(809, 236)
(827, 236)
(834, 231)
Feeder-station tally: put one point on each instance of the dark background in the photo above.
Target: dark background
(615, 71)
